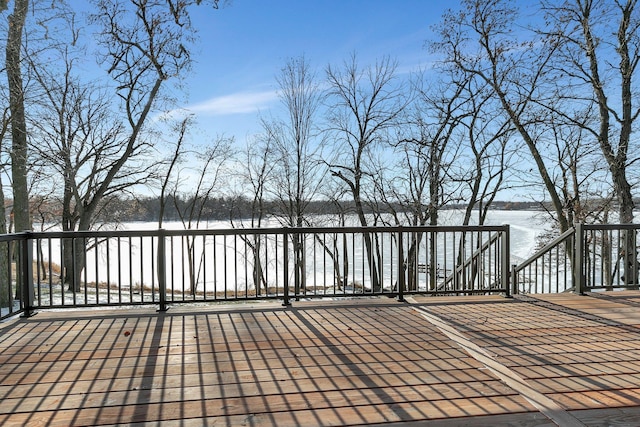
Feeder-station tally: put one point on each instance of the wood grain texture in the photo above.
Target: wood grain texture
(355, 362)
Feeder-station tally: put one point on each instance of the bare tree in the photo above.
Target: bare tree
(598, 55)
(581, 176)
(364, 104)
(19, 149)
(254, 178)
(297, 142)
(180, 130)
(203, 178)
(144, 44)
(580, 173)
(487, 159)
(562, 83)
(433, 147)
(28, 37)
(5, 281)
(335, 246)
(81, 140)
(481, 42)
(419, 183)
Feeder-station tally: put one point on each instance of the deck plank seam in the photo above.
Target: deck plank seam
(547, 406)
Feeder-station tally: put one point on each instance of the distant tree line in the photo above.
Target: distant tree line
(236, 209)
(226, 209)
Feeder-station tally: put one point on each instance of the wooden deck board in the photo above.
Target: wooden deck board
(573, 349)
(337, 415)
(366, 362)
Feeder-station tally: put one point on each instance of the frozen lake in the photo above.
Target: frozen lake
(525, 227)
(219, 263)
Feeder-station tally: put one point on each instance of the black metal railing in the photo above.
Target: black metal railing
(610, 256)
(549, 270)
(164, 267)
(16, 290)
(587, 258)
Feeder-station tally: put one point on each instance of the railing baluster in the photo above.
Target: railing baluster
(506, 260)
(50, 267)
(578, 258)
(162, 270)
(401, 270)
(119, 270)
(285, 250)
(130, 244)
(26, 266)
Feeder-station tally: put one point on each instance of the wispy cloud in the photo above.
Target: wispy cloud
(235, 103)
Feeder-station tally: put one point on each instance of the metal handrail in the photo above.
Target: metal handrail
(549, 269)
(164, 267)
(586, 258)
(469, 261)
(546, 248)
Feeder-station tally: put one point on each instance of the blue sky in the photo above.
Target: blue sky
(242, 47)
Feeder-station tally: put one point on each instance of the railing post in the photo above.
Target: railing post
(505, 273)
(285, 249)
(26, 271)
(514, 281)
(401, 270)
(162, 269)
(297, 260)
(578, 260)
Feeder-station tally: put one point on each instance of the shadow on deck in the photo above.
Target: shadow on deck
(529, 361)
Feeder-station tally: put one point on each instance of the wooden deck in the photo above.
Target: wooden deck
(530, 361)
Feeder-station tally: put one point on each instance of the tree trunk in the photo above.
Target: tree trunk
(5, 274)
(18, 122)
